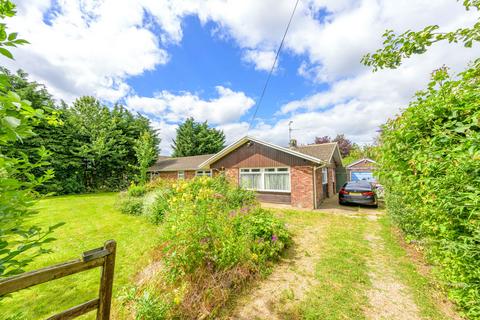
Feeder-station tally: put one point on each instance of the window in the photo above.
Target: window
(200, 173)
(181, 174)
(265, 179)
(324, 176)
(251, 179)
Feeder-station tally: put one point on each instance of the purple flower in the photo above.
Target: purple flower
(232, 213)
(274, 238)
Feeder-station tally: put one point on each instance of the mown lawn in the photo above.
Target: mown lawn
(90, 220)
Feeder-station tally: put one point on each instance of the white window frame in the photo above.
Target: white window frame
(262, 177)
(181, 174)
(324, 175)
(200, 173)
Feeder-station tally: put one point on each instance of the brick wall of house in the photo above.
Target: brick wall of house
(189, 174)
(232, 175)
(166, 175)
(173, 174)
(302, 186)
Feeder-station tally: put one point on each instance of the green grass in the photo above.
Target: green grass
(90, 220)
(342, 273)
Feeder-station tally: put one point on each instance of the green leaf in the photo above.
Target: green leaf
(12, 122)
(6, 53)
(12, 36)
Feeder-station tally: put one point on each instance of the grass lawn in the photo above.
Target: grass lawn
(90, 220)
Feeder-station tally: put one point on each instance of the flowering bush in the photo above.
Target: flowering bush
(211, 222)
(215, 238)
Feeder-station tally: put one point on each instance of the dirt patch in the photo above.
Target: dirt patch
(388, 297)
(288, 283)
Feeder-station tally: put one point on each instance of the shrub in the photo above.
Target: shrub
(136, 190)
(131, 205)
(215, 238)
(429, 165)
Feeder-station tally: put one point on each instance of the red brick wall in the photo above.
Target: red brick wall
(302, 186)
(189, 174)
(232, 175)
(166, 175)
(173, 174)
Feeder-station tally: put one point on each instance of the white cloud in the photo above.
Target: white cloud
(227, 107)
(167, 109)
(87, 48)
(263, 60)
(93, 47)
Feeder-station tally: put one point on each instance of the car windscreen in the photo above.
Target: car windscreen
(358, 186)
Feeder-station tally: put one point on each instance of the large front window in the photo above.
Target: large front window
(265, 179)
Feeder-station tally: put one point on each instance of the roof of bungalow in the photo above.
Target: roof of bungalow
(180, 163)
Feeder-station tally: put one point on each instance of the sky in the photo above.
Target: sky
(174, 59)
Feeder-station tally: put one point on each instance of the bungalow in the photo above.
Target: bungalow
(301, 176)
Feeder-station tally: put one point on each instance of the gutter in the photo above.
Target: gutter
(315, 186)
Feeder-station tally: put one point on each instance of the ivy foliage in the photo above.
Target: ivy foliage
(195, 138)
(429, 163)
(398, 47)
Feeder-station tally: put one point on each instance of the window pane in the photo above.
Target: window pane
(282, 169)
(250, 181)
(277, 181)
(255, 170)
(270, 170)
(244, 170)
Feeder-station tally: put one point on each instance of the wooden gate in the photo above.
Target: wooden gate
(101, 257)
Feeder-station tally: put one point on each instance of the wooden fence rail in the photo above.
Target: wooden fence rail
(101, 257)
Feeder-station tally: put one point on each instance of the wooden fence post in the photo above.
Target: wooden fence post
(106, 282)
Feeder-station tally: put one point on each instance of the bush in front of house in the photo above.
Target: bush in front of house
(136, 190)
(429, 165)
(215, 238)
(130, 205)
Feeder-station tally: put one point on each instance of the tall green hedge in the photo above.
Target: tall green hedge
(430, 167)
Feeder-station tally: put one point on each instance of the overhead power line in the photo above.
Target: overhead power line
(273, 67)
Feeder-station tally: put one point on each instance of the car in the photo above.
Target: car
(358, 192)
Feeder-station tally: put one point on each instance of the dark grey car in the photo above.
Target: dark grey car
(358, 192)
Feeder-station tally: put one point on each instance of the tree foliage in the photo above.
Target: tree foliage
(195, 138)
(20, 242)
(92, 145)
(429, 165)
(146, 153)
(344, 145)
(7, 10)
(398, 47)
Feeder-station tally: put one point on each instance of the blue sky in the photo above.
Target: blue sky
(169, 60)
(203, 61)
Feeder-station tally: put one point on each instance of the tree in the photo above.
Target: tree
(146, 152)
(195, 138)
(398, 47)
(7, 10)
(17, 180)
(428, 162)
(324, 139)
(344, 144)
